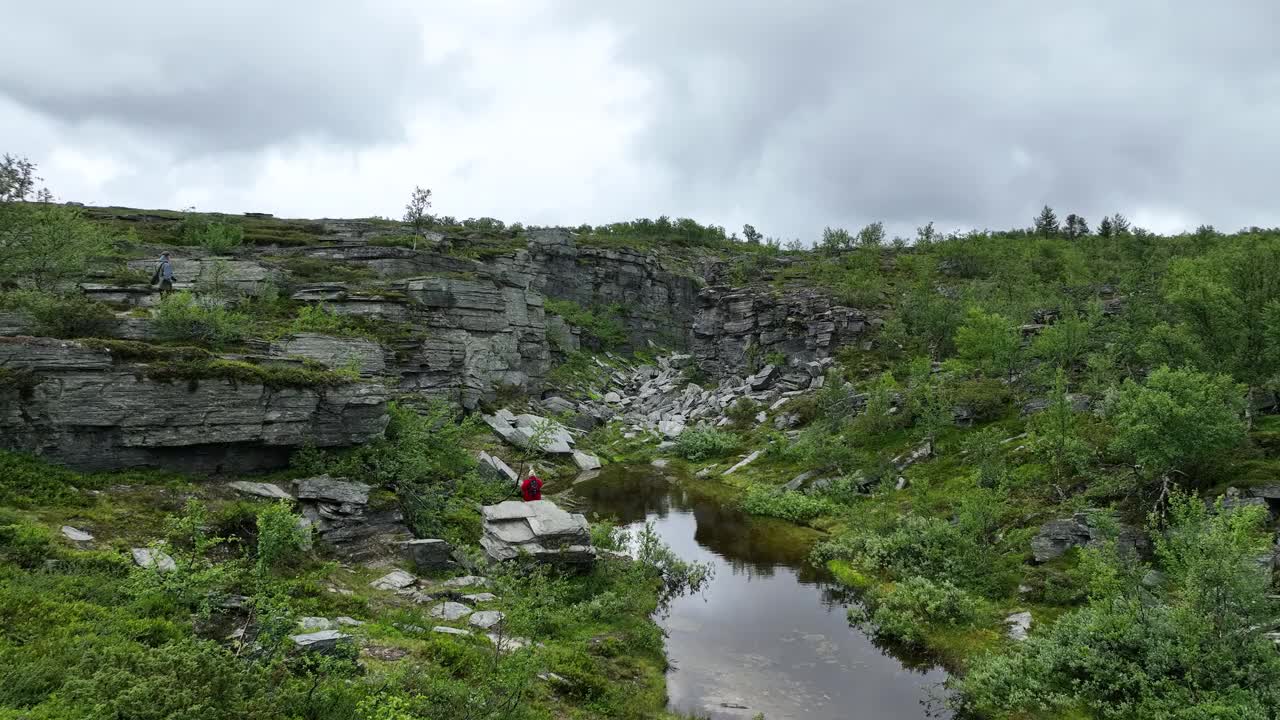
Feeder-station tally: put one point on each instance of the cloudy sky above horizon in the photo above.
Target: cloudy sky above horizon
(791, 116)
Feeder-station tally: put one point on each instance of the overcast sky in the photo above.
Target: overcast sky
(789, 115)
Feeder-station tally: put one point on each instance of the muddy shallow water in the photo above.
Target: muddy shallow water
(768, 634)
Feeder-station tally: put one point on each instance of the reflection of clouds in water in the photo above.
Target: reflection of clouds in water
(769, 633)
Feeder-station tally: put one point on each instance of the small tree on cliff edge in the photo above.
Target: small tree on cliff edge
(415, 211)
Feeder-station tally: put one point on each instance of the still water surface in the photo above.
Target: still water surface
(768, 634)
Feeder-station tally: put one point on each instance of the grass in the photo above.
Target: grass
(309, 375)
(91, 624)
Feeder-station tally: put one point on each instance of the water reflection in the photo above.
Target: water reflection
(768, 634)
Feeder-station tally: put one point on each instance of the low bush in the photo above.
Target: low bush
(309, 375)
(181, 317)
(1188, 649)
(786, 505)
(423, 458)
(905, 610)
(697, 444)
(61, 316)
(216, 237)
(601, 326)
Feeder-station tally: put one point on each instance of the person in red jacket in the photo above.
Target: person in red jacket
(531, 488)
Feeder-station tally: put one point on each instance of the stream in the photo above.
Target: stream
(768, 634)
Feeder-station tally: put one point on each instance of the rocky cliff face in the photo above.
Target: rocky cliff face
(737, 329)
(78, 405)
(658, 303)
(467, 329)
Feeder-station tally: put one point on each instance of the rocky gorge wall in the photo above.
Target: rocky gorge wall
(454, 328)
(85, 408)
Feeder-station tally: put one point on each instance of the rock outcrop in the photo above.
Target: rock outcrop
(1056, 537)
(538, 530)
(734, 328)
(339, 512)
(81, 406)
(659, 300)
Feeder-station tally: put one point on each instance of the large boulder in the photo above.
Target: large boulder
(1056, 537)
(539, 530)
(339, 512)
(428, 555)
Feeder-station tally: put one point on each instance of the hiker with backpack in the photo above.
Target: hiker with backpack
(531, 488)
(163, 276)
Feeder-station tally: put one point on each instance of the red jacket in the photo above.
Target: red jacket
(531, 488)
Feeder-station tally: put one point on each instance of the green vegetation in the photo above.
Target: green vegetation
(307, 375)
(696, 444)
(48, 247)
(787, 505)
(601, 327)
(88, 634)
(1045, 374)
(1189, 648)
(212, 235)
(183, 317)
(69, 315)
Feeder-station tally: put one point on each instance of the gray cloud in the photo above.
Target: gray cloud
(790, 116)
(215, 77)
(813, 112)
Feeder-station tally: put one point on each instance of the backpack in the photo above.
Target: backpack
(155, 276)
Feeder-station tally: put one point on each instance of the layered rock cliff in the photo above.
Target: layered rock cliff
(458, 329)
(83, 407)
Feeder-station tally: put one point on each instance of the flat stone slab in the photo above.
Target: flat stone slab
(323, 641)
(394, 580)
(450, 611)
(507, 643)
(428, 554)
(75, 535)
(1019, 624)
(467, 581)
(345, 621)
(745, 462)
(446, 630)
(265, 490)
(486, 619)
(326, 489)
(508, 510)
(497, 466)
(153, 559)
(480, 597)
(585, 461)
(315, 623)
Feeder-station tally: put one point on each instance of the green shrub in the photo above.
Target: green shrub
(697, 444)
(743, 411)
(23, 544)
(1190, 649)
(905, 610)
(965, 553)
(601, 326)
(216, 237)
(280, 538)
(181, 317)
(319, 319)
(44, 246)
(989, 342)
(793, 506)
(61, 316)
(986, 398)
(424, 459)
